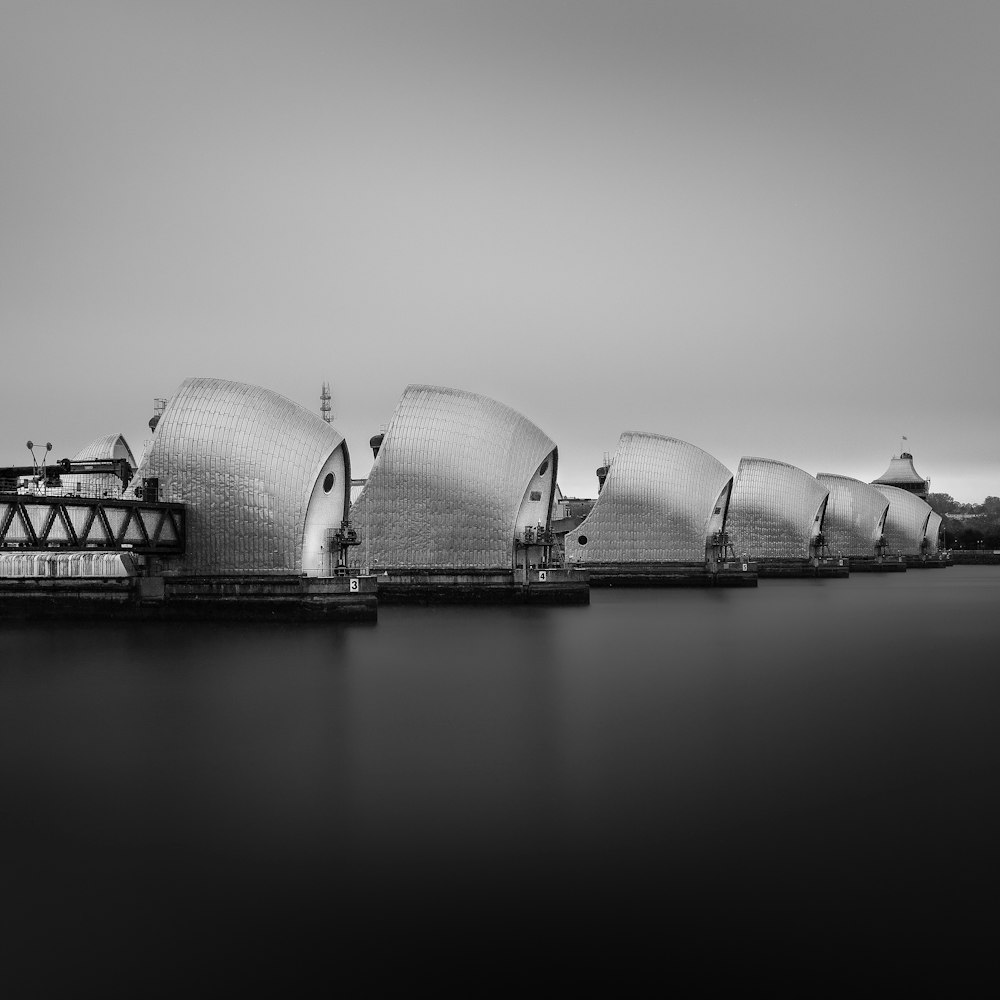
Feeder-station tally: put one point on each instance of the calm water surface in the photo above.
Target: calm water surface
(806, 756)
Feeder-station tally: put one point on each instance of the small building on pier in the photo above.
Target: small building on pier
(902, 475)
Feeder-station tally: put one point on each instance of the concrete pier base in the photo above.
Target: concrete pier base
(474, 586)
(68, 598)
(931, 562)
(276, 597)
(231, 598)
(973, 557)
(672, 575)
(837, 569)
(859, 564)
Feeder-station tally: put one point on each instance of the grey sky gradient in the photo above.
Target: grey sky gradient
(767, 228)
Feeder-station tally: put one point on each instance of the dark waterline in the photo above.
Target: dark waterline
(808, 756)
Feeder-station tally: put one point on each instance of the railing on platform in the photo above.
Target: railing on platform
(68, 476)
(82, 523)
(88, 488)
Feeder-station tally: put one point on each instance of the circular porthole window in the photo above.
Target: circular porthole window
(582, 539)
(543, 468)
(328, 482)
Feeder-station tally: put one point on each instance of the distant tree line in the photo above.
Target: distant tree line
(968, 524)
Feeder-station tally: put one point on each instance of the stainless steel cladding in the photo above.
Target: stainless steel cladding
(661, 500)
(458, 477)
(933, 532)
(265, 479)
(855, 516)
(776, 511)
(108, 446)
(906, 522)
(99, 484)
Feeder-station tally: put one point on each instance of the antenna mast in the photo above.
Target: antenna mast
(324, 403)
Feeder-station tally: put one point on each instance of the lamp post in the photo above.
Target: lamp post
(39, 468)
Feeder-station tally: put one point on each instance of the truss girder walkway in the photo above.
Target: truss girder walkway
(64, 523)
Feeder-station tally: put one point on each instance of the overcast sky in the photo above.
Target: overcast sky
(767, 228)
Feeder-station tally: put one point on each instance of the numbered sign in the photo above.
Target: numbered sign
(541, 576)
(355, 585)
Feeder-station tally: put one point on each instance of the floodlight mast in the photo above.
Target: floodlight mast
(34, 460)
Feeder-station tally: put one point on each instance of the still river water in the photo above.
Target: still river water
(807, 754)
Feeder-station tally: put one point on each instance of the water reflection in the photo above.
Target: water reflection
(822, 749)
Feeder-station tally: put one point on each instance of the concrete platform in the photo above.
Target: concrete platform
(837, 569)
(69, 599)
(671, 575)
(919, 562)
(871, 565)
(473, 586)
(974, 557)
(231, 598)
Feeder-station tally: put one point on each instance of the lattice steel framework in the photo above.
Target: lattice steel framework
(661, 501)
(906, 522)
(855, 516)
(252, 468)
(776, 510)
(457, 479)
(47, 523)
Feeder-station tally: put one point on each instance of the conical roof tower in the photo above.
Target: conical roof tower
(904, 476)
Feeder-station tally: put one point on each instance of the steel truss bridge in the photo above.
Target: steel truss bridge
(68, 523)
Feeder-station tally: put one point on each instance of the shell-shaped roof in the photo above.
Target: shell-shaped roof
(933, 531)
(656, 505)
(900, 471)
(448, 482)
(906, 522)
(105, 447)
(855, 515)
(775, 511)
(246, 461)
